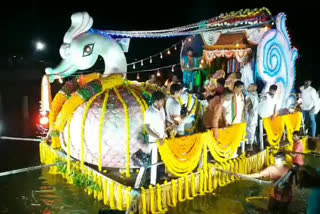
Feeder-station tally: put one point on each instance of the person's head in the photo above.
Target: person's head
(295, 136)
(158, 99)
(252, 88)
(307, 83)
(273, 89)
(238, 87)
(190, 52)
(153, 77)
(176, 90)
(175, 78)
(237, 75)
(221, 82)
(227, 94)
(279, 159)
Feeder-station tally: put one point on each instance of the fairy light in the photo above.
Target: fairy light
(168, 52)
(134, 66)
(175, 47)
(138, 76)
(150, 59)
(172, 69)
(141, 62)
(161, 56)
(158, 73)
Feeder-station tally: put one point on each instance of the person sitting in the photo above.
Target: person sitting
(297, 159)
(214, 117)
(280, 196)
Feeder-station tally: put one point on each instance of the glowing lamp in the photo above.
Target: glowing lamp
(44, 120)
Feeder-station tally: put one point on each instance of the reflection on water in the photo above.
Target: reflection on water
(231, 199)
(40, 192)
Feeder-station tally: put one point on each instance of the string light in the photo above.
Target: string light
(175, 47)
(168, 52)
(141, 62)
(172, 69)
(138, 76)
(134, 66)
(161, 55)
(158, 74)
(150, 59)
(189, 39)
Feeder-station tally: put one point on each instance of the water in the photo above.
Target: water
(40, 192)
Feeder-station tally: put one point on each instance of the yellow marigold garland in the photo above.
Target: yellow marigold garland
(69, 148)
(181, 155)
(293, 123)
(228, 141)
(126, 111)
(274, 129)
(104, 109)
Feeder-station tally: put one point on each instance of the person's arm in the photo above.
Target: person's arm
(154, 133)
(264, 173)
(183, 66)
(315, 97)
(275, 112)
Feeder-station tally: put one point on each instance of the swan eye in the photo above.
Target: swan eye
(87, 50)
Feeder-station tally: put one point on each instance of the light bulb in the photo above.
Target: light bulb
(158, 73)
(138, 76)
(168, 52)
(189, 40)
(175, 47)
(202, 61)
(172, 69)
(161, 55)
(150, 59)
(134, 66)
(141, 62)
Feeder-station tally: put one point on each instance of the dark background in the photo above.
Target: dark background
(24, 23)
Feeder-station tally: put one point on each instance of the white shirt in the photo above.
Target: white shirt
(173, 107)
(309, 98)
(156, 119)
(247, 74)
(240, 109)
(228, 110)
(267, 105)
(252, 115)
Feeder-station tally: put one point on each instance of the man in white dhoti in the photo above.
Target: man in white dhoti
(251, 114)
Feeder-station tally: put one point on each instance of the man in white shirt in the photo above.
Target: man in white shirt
(155, 124)
(238, 103)
(251, 113)
(173, 108)
(268, 103)
(309, 104)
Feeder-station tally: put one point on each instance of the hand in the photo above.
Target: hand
(161, 141)
(273, 117)
(215, 132)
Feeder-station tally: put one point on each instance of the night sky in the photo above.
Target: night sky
(25, 23)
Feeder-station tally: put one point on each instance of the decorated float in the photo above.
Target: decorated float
(97, 120)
